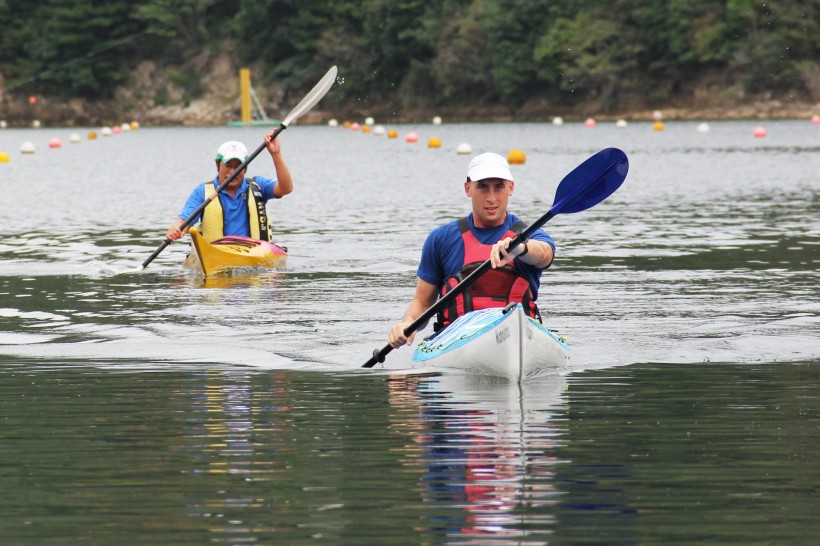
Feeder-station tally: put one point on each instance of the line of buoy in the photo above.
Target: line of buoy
(516, 156)
(412, 137)
(27, 147)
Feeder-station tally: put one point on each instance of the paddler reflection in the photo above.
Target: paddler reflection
(485, 445)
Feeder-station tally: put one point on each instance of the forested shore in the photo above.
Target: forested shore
(93, 62)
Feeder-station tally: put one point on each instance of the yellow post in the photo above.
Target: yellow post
(245, 92)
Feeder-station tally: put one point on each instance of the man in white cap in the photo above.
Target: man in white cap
(454, 250)
(240, 207)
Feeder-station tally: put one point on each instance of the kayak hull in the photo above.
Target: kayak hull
(498, 342)
(232, 252)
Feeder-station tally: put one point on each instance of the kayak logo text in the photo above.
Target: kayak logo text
(502, 335)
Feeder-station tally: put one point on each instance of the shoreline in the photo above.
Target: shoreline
(212, 113)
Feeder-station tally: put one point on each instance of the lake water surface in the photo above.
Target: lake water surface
(162, 408)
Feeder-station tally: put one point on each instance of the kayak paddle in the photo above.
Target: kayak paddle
(315, 95)
(587, 185)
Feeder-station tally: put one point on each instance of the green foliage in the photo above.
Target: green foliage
(65, 46)
(419, 54)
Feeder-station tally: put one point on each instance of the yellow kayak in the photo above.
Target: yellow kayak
(222, 254)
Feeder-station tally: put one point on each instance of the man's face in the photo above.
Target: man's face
(490, 197)
(225, 170)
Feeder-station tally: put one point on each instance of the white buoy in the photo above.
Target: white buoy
(369, 121)
(3, 124)
(35, 124)
(105, 131)
(557, 120)
(74, 138)
(657, 115)
(333, 122)
(27, 147)
(620, 124)
(703, 127)
(378, 130)
(436, 120)
(464, 148)
(125, 127)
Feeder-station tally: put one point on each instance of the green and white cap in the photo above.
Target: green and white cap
(232, 150)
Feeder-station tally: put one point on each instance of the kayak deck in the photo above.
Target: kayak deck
(500, 342)
(230, 252)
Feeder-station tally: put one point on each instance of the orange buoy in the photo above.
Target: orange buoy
(589, 122)
(516, 157)
(434, 142)
(411, 138)
(92, 135)
(392, 133)
(347, 124)
(4, 157)
(759, 132)
(365, 128)
(658, 126)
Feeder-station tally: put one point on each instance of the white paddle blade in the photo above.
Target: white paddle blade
(319, 90)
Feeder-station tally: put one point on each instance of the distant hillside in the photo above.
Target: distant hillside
(94, 61)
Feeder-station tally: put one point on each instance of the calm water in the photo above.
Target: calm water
(161, 408)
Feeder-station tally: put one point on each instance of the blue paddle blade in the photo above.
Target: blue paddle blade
(591, 182)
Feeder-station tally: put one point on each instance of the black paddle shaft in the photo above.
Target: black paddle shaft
(205, 203)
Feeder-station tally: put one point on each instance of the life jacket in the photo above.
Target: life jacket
(495, 288)
(213, 218)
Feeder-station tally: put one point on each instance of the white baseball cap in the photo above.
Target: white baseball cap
(232, 150)
(489, 165)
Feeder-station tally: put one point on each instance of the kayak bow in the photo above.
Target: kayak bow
(228, 252)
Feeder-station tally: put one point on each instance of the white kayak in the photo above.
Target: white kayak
(503, 342)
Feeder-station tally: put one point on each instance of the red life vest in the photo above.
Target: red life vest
(495, 288)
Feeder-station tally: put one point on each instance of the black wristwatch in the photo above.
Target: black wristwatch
(526, 249)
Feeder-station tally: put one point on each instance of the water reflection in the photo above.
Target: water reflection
(244, 278)
(230, 415)
(485, 448)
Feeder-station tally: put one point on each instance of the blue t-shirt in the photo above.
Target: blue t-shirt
(235, 209)
(443, 253)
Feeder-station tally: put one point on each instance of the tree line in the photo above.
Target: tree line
(422, 54)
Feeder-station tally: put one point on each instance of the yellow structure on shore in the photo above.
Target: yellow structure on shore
(252, 112)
